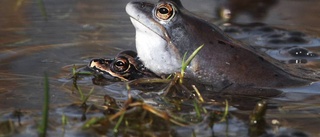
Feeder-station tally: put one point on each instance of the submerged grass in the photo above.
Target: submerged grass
(75, 76)
(80, 93)
(45, 111)
(84, 99)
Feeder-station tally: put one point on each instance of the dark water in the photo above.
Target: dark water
(77, 30)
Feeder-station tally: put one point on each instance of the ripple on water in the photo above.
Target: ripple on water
(293, 55)
(261, 35)
(290, 47)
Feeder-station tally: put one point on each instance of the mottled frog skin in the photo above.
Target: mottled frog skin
(125, 66)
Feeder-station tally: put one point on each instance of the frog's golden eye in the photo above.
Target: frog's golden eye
(121, 64)
(164, 11)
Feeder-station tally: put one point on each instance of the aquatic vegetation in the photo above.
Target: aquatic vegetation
(85, 98)
(226, 111)
(45, 111)
(185, 63)
(138, 117)
(64, 122)
(75, 76)
(43, 9)
(175, 106)
(123, 120)
(7, 128)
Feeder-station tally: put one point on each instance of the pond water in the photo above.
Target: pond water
(76, 31)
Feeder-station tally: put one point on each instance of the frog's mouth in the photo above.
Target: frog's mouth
(142, 19)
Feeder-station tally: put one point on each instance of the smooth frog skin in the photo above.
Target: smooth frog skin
(125, 66)
(165, 31)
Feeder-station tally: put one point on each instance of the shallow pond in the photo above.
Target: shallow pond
(77, 30)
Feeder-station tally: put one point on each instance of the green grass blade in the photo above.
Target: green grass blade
(92, 122)
(116, 127)
(81, 94)
(87, 97)
(64, 120)
(184, 58)
(43, 9)
(190, 58)
(197, 108)
(45, 110)
(187, 62)
(226, 112)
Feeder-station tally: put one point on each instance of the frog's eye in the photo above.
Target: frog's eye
(120, 65)
(164, 11)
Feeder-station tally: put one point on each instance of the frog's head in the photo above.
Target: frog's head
(155, 36)
(125, 66)
(165, 31)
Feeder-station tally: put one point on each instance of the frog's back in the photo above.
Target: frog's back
(224, 61)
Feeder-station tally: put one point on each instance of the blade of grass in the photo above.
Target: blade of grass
(64, 122)
(226, 111)
(91, 122)
(74, 70)
(184, 59)
(187, 62)
(80, 93)
(84, 73)
(43, 9)
(74, 78)
(85, 99)
(197, 108)
(45, 110)
(116, 127)
(198, 94)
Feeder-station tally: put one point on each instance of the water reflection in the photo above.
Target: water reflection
(31, 46)
(235, 10)
(13, 22)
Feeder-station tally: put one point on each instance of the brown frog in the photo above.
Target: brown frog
(125, 66)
